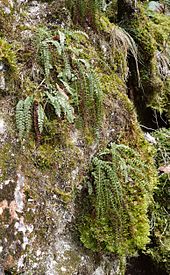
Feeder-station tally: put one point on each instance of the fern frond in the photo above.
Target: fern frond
(20, 118)
(62, 38)
(69, 89)
(67, 71)
(60, 103)
(85, 62)
(28, 104)
(42, 37)
(92, 94)
(54, 102)
(77, 34)
(66, 107)
(24, 116)
(56, 44)
(41, 116)
(46, 58)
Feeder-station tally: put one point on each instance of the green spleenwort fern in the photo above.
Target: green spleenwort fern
(24, 116)
(119, 194)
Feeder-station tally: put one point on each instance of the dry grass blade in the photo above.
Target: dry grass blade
(163, 62)
(122, 39)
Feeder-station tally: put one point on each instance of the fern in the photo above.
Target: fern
(66, 107)
(105, 172)
(118, 179)
(62, 39)
(69, 89)
(54, 102)
(46, 57)
(78, 35)
(80, 83)
(57, 98)
(56, 44)
(97, 93)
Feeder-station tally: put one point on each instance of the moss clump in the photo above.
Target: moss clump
(7, 56)
(160, 209)
(120, 189)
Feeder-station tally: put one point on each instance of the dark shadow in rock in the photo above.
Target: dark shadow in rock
(143, 265)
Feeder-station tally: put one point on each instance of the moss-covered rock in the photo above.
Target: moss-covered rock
(73, 104)
(160, 210)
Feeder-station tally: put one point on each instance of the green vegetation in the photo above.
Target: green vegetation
(150, 31)
(7, 56)
(160, 220)
(120, 189)
(76, 94)
(69, 83)
(84, 11)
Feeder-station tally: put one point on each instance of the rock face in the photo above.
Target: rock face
(45, 162)
(37, 210)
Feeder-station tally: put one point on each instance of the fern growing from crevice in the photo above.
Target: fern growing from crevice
(120, 189)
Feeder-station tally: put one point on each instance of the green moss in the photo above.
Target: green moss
(160, 209)
(160, 24)
(9, 70)
(151, 32)
(7, 56)
(103, 23)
